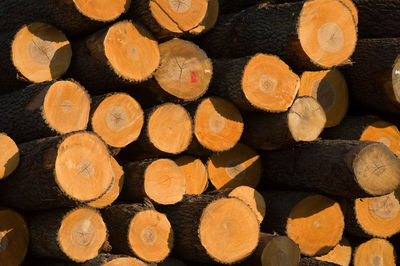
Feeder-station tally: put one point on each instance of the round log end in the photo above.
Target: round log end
(185, 70)
(9, 156)
(353, 8)
(82, 234)
(395, 94)
(209, 20)
(316, 224)
(131, 50)
(329, 88)
(126, 261)
(218, 124)
(280, 251)
(239, 166)
(253, 198)
(269, 84)
(83, 167)
(228, 230)
(340, 254)
(377, 169)
(375, 252)
(118, 120)
(306, 119)
(327, 32)
(164, 182)
(150, 236)
(40, 52)
(102, 10)
(170, 128)
(14, 237)
(385, 133)
(195, 172)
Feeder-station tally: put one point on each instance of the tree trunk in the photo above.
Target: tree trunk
(114, 58)
(58, 171)
(260, 82)
(76, 234)
(305, 261)
(314, 222)
(291, 31)
(9, 157)
(340, 254)
(336, 167)
(196, 175)
(304, 121)
(378, 251)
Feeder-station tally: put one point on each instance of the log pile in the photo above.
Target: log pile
(199, 132)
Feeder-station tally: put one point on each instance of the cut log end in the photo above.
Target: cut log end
(41, 52)
(82, 234)
(306, 119)
(209, 20)
(83, 167)
(269, 84)
(102, 10)
(375, 252)
(131, 50)
(280, 251)
(329, 88)
(185, 69)
(240, 166)
(395, 95)
(9, 156)
(14, 237)
(127, 261)
(340, 254)
(218, 124)
(118, 120)
(150, 236)
(316, 224)
(385, 133)
(196, 176)
(377, 169)
(253, 198)
(164, 182)
(353, 8)
(170, 128)
(327, 32)
(228, 230)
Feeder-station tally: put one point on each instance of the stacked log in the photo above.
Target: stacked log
(9, 158)
(378, 251)
(196, 174)
(340, 254)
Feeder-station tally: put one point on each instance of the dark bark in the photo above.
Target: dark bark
(352, 226)
(232, 6)
(313, 262)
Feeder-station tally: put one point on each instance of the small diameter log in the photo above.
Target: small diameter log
(259, 82)
(114, 58)
(239, 166)
(304, 121)
(343, 168)
(160, 180)
(374, 78)
(340, 254)
(169, 18)
(213, 229)
(306, 261)
(375, 252)
(76, 234)
(9, 156)
(367, 128)
(196, 175)
(117, 118)
(329, 88)
(14, 237)
(59, 171)
(314, 222)
(140, 231)
(44, 109)
(321, 31)
(112, 194)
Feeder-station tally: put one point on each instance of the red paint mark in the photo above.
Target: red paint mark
(193, 78)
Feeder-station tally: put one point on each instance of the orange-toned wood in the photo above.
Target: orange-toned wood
(102, 10)
(340, 254)
(196, 175)
(114, 260)
(9, 158)
(375, 252)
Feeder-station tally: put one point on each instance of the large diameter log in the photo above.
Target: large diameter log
(375, 252)
(321, 31)
(213, 229)
(160, 180)
(14, 237)
(140, 231)
(117, 118)
(376, 86)
(196, 175)
(330, 89)
(59, 171)
(304, 121)
(239, 166)
(114, 58)
(314, 222)
(343, 168)
(259, 82)
(340, 254)
(44, 109)
(9, 157)
(76, 234)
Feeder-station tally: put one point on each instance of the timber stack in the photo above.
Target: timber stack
(199, 132)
